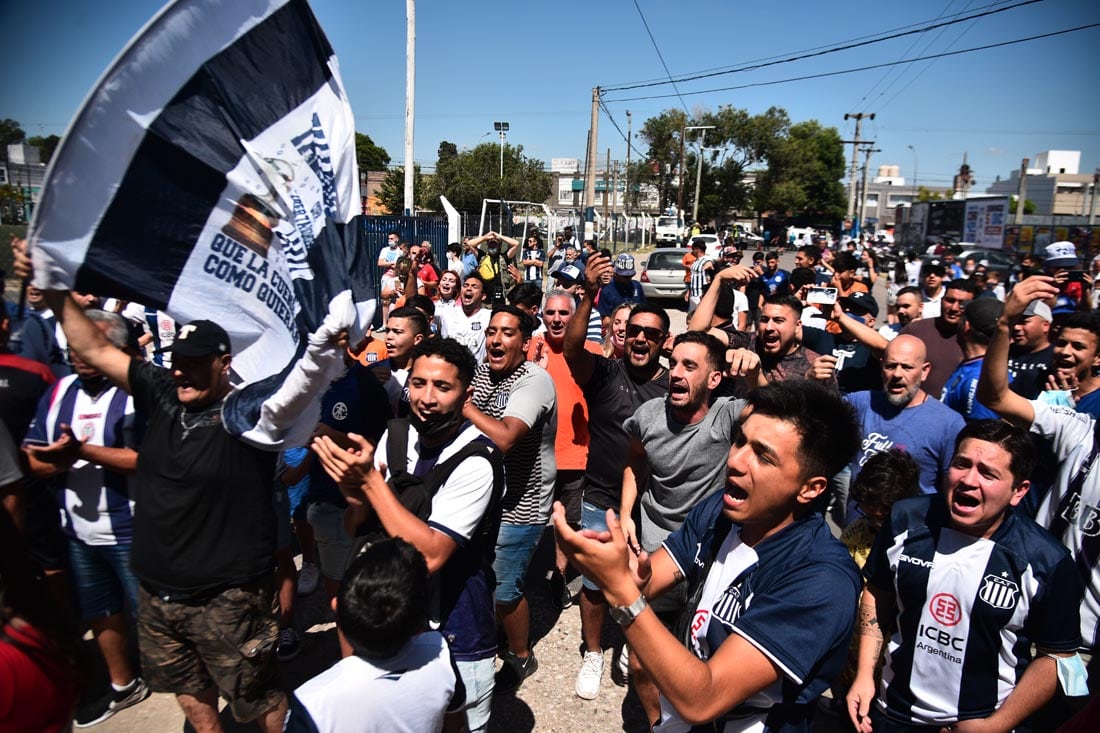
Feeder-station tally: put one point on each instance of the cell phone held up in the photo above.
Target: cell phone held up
(821, 296)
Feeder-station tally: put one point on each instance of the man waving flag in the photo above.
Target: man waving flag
(211, 174)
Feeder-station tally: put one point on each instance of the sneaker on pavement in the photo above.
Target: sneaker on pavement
(590, 676)
(111, 703)
(514, 671)
(308, 579)
(288, 645)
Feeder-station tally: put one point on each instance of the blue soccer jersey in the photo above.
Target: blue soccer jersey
(792, 596)
(968, 610)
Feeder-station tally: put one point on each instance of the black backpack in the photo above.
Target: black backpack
(416, 492)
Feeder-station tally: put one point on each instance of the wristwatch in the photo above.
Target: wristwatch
(625, 615)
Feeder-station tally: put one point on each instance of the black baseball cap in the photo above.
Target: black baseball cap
(201, 338)
(860, 302)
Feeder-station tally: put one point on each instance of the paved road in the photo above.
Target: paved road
(546, 701)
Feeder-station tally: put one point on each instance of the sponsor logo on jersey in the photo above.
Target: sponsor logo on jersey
(943, 643)
(1084, 515)
(339, 411)
(945, 608)
(916, 561)
(999, 591)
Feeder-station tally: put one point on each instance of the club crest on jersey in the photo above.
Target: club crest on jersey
(502, 399)
(339, 411)
(1084, 515)
(999, 592)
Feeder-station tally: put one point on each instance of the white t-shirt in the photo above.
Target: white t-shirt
(467, 330)
(409, 692)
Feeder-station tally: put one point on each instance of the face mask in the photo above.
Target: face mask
(435, 425)
(494, 251)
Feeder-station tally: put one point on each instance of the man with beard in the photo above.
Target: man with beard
(773, 593)
(571, 442)
(460, 531)
(679, 442)
(467, 323)
(614, 390)
(514, 404)
(778, 343)
(940, 334)
(902, 415)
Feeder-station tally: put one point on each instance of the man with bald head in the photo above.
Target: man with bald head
(902, 415)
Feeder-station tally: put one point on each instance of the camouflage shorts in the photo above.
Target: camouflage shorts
(227, 641)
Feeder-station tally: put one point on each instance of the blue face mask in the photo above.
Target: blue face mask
(1072, 675)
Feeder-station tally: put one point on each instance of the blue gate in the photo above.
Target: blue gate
(413, 229)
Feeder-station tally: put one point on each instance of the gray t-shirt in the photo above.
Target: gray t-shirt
(529, 468)
(686, 462)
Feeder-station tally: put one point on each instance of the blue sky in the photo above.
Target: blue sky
(534, 64)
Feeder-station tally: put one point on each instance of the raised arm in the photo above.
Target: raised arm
(728, 277)
(82, 333)
(993, 391)
(581, 361)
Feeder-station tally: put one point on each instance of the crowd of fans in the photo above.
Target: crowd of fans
(799, 507)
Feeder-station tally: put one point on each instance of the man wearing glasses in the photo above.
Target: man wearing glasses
(613, 389)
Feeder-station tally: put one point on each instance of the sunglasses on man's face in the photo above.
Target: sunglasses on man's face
(633, 331)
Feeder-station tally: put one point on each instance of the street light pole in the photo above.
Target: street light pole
(502, 129)
(916, 188)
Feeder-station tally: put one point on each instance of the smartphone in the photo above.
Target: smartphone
(1076, 276)
(821, 296)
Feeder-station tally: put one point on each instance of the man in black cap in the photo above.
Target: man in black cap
(932, 274)
(204, 536)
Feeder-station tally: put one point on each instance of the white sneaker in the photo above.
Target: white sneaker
(590, 676)
(308, 578)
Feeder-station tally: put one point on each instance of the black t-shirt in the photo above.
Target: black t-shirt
(857, 367)
(612, 396)
(1029, 370)
(22, 384)
(203, 516)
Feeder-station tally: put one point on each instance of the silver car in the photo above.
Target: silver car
(663, 273)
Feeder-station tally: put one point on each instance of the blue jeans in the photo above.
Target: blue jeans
(479, 678)
(592, 517)
(516, 545)
(102, 578)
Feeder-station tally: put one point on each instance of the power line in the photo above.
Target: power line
(607, 112)
(824, 46)
(801, 57)
(867, 68)
(662, 58)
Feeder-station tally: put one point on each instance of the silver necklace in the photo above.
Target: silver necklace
(206, 418)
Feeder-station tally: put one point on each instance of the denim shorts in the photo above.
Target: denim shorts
(102, 577)
(593, 517)
(516, 545)
(333, 542)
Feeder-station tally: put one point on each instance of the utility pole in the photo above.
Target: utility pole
(590, 155)
(606, 174)
(1092, 205)
(680, 171)
(626, 176)
(699, 168)
(867, 150)
(1021, 192)
(855, 160)
(410, 102)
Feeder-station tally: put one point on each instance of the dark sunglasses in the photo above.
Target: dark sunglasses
(652, 334)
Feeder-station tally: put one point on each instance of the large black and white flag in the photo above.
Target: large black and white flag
(211, 174)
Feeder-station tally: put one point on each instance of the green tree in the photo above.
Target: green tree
(391, 193)
(1029, 205)
(11, 203)
(803, 174)
(469, 176)
(10, 134)
(46, 146)
(370, 156)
